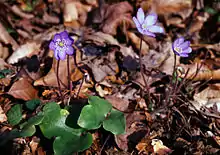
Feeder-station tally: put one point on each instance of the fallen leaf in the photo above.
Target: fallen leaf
(26, 50)
(6, 38)
(159, 148)
(22, 89)
(120, 104)
(3, 117)
(70, 11)
(34, 144)
(166, 7)
(51, 78)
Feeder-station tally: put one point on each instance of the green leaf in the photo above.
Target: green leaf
(115, 123)
(32, 104)
(53, 123)
(4, 72)
(28, 128)
(93, 115)
(14, 114)
(67, 145)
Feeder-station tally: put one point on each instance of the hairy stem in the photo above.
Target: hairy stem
(142, 72)
(68, 72)
(58, 80)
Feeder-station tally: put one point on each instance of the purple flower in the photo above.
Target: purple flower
(147, 25)
(61, 45)
(181, 47)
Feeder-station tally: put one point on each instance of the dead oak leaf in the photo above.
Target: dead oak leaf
(23, 89)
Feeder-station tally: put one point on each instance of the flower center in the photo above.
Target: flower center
(144, 26)
(178, 49)
(61, 44)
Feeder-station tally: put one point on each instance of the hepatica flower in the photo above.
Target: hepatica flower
(181, 47)
(61, 45)
(147, 25)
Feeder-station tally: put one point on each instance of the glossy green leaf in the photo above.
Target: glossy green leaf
(32, 104)
(115, 122)
(93, 115)
(28, 128)
(14, 115)
(53, 123)
(67, 145)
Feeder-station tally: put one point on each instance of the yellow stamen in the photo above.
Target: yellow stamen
(178, 49)
(61, 44)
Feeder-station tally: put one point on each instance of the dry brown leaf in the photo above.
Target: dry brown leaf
(70, 11)
(135, 131)
(136, 41)
(34, 144)
(208, 98)
(159, 148)
(166, 7)
(204, 72)
(115, 15)
(6, 38)
(118, 102)
(4, 53)
(51, 78)
(26, 50)
(3, 117)
(23, 89)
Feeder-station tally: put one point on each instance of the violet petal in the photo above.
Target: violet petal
(64, 35)
(178, 41)
(52, 45)
(184, 45)
(184, 55)
(140, 15)
(151, 19)
(69, 50)
(56, 54)
(62, 54)
(57, 37)
(136, 22)
(155, 29)
(187, 50)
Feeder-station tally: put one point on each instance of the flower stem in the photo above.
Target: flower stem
(58, 80)
(68, 72)
(142, 71)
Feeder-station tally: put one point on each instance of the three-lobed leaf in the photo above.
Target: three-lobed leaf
(115, 122)
(94, 114)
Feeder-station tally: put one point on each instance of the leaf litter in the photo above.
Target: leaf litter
(179, 118)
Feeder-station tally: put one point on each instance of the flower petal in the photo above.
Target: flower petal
(148, 33)
(183, 55)
(62, 54)
(140, 30)
(69, 41)
(151, 19)
(155, 29)
(52, 45)
(185, 45)
(64, 35)
(57, 37)
(69, 50)
(136, 22)
(178, 41)
(140, 15)
(56, 54)
(187, 50)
